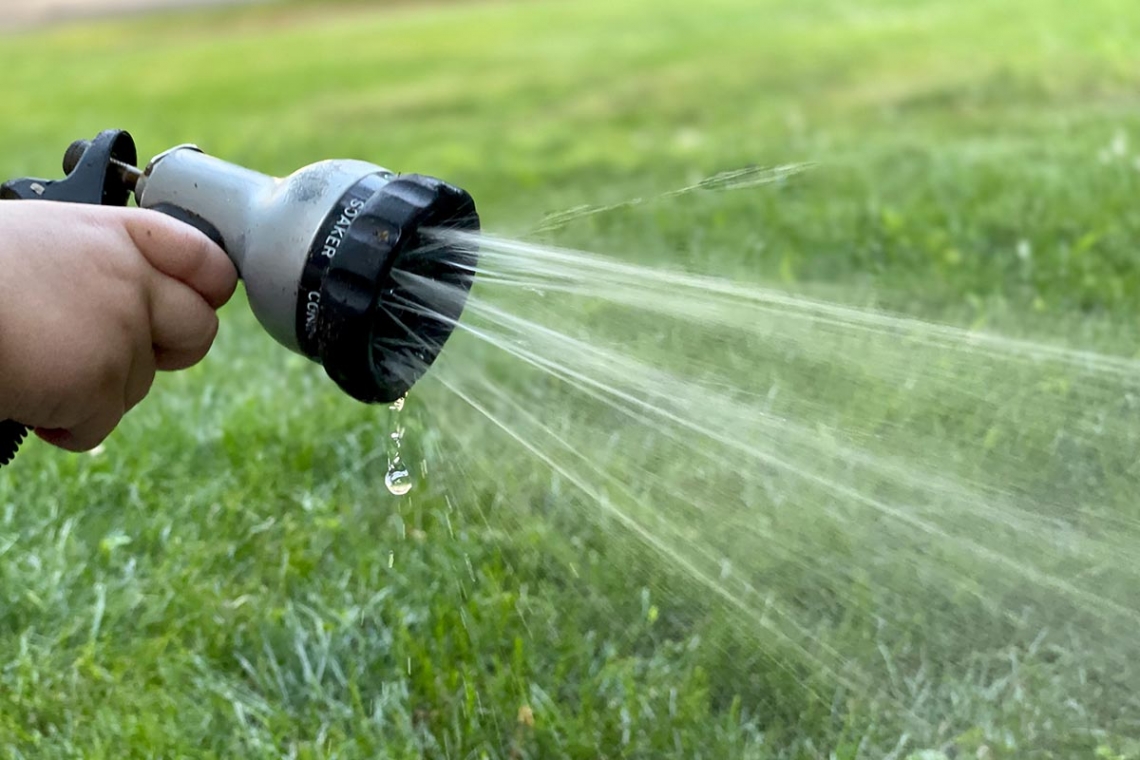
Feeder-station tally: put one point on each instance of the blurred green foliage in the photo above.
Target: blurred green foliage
(230, 578)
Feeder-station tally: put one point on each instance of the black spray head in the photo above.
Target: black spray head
(360, 312)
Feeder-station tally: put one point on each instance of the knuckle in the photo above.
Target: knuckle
(109, 375)
(205, 331)
(210, 327)
(140, 391)
(206, 338)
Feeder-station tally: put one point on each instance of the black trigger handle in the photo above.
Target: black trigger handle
(99, 172)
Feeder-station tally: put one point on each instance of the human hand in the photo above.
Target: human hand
(93, 301)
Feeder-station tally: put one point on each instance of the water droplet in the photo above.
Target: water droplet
(398, 479)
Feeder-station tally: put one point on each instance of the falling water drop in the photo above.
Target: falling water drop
(398, 479)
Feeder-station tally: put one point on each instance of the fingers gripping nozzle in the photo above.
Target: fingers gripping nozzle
(340, 259)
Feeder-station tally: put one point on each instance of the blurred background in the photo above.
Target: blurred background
(843, 535)
(22, 14)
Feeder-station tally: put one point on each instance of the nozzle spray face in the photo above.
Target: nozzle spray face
(330, 256)
(357, 311)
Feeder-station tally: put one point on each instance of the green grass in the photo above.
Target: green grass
(230, 578)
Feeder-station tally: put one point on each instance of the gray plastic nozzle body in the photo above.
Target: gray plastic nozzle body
(267, 225)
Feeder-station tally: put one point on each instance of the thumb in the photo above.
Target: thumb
(179, 251)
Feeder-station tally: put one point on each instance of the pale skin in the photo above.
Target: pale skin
(93, 302)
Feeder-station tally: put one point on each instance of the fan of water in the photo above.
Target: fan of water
(886, 506)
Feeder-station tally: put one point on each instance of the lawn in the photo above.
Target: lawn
(229, 577)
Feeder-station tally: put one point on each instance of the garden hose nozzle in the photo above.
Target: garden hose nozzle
(325, 254)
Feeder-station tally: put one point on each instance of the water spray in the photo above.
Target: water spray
(318, 251)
